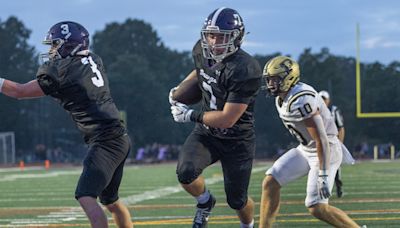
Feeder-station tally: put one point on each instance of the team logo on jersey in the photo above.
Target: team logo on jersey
(207, 77)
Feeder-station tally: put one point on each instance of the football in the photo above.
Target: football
(188, 92)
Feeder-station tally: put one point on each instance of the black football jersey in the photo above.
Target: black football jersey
(236, 79)
(80, 85)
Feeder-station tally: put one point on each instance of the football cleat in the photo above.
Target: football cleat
(203, 212)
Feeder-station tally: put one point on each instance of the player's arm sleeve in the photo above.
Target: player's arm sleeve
(244, 85)
(302, 106)
(47, 78)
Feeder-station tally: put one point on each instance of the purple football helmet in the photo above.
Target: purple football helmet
(66, 38)
(224, 26)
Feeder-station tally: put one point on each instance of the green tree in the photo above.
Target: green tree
(18, 62)
(141, 71)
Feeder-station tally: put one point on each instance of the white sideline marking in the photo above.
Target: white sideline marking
(66, 215)
(13, 177)
(36, 199)
(158, 193)
(16, 169)
(76, 213)
(133, 199)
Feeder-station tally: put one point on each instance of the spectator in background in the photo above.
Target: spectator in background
(162, 153)
(40, 152)
(364, 150)
(140, 155)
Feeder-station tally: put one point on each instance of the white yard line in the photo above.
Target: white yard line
(161, 192)
(16, 169)
(76, 213)
(13, 177)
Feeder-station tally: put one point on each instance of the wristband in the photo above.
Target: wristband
(1, 84)
(197, 116)
(323, 172)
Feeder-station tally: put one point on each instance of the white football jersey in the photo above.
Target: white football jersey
(302, 102)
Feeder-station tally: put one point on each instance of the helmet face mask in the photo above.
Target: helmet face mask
(66, 39)
(281, 74)
(55, 45)
(222, 34)
(217, 45)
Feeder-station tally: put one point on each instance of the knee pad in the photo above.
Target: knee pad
(187, 173)
(236, 203)
(107, 201)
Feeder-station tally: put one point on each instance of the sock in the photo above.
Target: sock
(204, 197)
(251, 225)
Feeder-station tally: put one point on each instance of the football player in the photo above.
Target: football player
(338, 118)
(319, 153)
(75, 77)
(229, 79)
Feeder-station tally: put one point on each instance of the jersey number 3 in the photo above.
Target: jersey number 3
(98, 79)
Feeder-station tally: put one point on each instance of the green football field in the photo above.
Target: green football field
(45, 198)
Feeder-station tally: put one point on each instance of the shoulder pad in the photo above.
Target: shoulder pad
(302, 105)
(47, 68)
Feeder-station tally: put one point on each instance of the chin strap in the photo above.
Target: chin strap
(83, 52)
(76, 50)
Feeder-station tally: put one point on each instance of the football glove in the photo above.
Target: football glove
(181, 112)
(171, 100)
(323, 186)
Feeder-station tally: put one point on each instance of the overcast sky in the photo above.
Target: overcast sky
(274, 25)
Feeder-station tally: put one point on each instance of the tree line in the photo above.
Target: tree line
(142, 69)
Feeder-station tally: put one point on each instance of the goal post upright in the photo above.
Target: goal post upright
(359, 112)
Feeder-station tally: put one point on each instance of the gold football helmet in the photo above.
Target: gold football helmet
(280, 74)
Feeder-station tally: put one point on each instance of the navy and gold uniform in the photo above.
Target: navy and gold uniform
(235, 79)
(80, 86)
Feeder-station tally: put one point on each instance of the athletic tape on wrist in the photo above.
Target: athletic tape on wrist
(323, 172)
